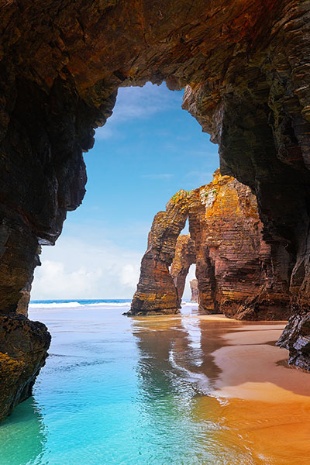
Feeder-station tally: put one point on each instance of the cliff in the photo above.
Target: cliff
(235, 270)
(245, 65)
(23, 351)
(237, 274)
(156, 292)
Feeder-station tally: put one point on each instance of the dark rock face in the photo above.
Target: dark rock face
(246, 67)
(296, 338)
(23, 350)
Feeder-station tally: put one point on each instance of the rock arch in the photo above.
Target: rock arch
(246, 67)
(184, 257)
(235, 268)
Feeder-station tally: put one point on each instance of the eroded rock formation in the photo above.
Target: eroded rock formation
(184, 257)
(194, 290)
(246, 64)
(156, 292)
(235, 267)
(23, 350)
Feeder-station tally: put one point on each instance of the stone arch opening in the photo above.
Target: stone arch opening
(148, 142)
(247, 70)
(235, 270)
(191, 287)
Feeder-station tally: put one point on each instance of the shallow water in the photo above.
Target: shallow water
(154, 391)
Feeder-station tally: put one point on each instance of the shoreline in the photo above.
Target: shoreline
(253, 408)
(266, 402)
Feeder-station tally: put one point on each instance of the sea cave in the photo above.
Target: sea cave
(244, 68)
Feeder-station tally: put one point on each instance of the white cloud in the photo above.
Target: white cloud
(137, 103)
(89, 266)
(128, 275)
(80, 268)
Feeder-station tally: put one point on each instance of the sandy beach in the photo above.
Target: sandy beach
(262, 404)
(268, 402)
(182, 389)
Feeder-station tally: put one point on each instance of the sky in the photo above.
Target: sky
(148, 150)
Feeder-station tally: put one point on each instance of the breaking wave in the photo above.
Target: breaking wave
(79, 303)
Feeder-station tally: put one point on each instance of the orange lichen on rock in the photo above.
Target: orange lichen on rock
(234, 268)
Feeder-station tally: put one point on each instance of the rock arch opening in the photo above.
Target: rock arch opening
(246, 65)
(148, 148)
(235, 269)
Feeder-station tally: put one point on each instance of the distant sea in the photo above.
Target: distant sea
(74, 303)
(124, 391)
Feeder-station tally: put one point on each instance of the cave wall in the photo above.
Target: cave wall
(246, 67)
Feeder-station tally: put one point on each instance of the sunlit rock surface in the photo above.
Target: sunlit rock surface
(156, 292)
(246, 65)
(235, 271)
(234, 265)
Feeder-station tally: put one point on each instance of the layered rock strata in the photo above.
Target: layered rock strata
(156, 292)
(184, 257)
(235, 270)
(23, 350)
(246, 67)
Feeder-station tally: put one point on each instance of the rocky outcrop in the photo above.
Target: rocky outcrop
(156, 292)
(246, 68)
(235, 268)
(23, 343)
(184, 257)
(194, 290)
(296, 338)
(236, 272)
(23, 350)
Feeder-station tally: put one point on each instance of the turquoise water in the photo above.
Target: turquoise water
(116, 391)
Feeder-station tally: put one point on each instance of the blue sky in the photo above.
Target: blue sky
(149, 149)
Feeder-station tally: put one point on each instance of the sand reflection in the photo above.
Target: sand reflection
(257, 406)
(269, 402)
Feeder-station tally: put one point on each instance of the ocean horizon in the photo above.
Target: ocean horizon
(54, 303)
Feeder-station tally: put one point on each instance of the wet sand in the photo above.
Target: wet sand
(268, 403)
(261, 404)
